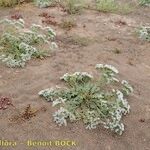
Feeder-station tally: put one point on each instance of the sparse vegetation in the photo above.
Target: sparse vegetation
(112, 6)
(68, 24)
(8, 3)
(73, 6)
(19, 44)
(80, 110)
(95, 101)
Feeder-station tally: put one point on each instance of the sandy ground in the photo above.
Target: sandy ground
(23, 85)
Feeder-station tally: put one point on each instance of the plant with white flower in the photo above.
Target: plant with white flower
(86, 99)
(49, 94)
(45, 3)
(13, 23)
(108, 72)
(58, 101)
(19, 44)
(77, 77)
(127, 88)
(61, 116)
(144, 33)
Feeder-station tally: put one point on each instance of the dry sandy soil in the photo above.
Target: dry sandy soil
(105, 34)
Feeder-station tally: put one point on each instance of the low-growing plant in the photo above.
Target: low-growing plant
(95, 101)
(72, 6)
(144, 33)
(44, 3)
(19, 44)
(144, 2)
(28, 113)
(106, 5)
(8, 3)
(112, 6)
(5, 102)
(68, 23)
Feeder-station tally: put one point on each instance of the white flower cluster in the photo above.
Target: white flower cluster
(124, 106)
(93, 121)
(48, 94)
(22, 43)
(121, 108)
(10, 62)
(44, 3)
(58, 101)
(17, 24)
(50, 31)
(108, 67)
(114, 123)
(144, 33)
(27, 52)
(108, 72)
(79, 76)
(117, 110)
(61, 115)
(115, 126)
(127, 88)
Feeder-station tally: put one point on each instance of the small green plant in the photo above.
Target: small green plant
(19, 44)
(112, 6)
(8, 3)
(106, 5)
(144, 33)
(73, 6)
(68, 23)
(94, 101)
(144, 2)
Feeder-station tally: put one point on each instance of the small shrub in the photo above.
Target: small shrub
(68, 24)
(26, 114)
(111, 6)
(144, 2)
(94, 101)
(144, 33)
(73, 6)
(8, 3)
(19, 44)
(45, 3)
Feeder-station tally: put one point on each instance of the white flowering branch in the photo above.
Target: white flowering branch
(144, 33)
(85, 100)
(19, 44)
